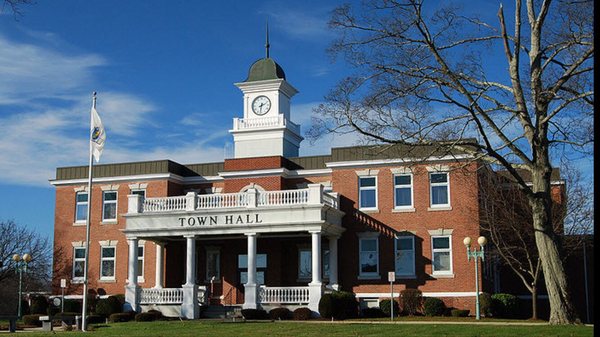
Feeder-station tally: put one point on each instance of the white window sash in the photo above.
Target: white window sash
(81, 203)
(105, 203)
(398, 251)
(409, 186)
(102, 259)
(441, 250)
(360, 257)
(444, 184)
(367, 188)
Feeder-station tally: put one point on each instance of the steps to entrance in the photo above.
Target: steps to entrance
(223, 311)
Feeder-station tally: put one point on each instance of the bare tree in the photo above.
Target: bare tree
(430, 76)
(506, 216)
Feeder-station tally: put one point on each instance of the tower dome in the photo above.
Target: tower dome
(265, 69)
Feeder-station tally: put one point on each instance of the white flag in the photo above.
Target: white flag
(98, 135)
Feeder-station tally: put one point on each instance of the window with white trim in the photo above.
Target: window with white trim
(367, 192)
(109, 205)
(140, 268)
(213, 264)
(305, 263)
(261, 267)
(81, 205)
(107, 263)
(441, 251)
(403, 191)
(368, 256)
(439, 190)
(78, 262)
(405, 255)
(139, 192)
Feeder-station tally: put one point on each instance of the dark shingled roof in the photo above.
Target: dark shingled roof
(265, 69)
(352, 153)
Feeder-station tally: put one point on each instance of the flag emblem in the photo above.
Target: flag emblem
(98, 135)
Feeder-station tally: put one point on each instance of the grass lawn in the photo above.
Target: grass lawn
(322, 329)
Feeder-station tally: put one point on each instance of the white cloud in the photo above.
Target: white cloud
(302, 24)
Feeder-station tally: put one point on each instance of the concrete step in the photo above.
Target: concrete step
(220, 311)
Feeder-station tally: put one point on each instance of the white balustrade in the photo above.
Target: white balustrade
(281, 198)
(161, 296)
(289, 295)
(224, 200)
(264, 122)
(330, 200)
(165, 204)
(232, 200)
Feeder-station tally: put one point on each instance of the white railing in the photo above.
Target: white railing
(289, 295)
(202, 299)
(165, 204)
(161, 296)
(264, 122)
(225, 200)
(286, 197)
(330, 200)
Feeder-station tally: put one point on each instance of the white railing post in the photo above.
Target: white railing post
(189, 307)
(333, 262)
(135, 204)
(315, 194)
(250, 298)
(132, 293)
(190, 201)
(158, 278)
(252, 197)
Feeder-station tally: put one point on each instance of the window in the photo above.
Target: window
(369, 257)
(213, 264)
(78, 262)
(140, 268)
(139, 192)
(305, 264)
(367, 192)
(109, 205)
(403, 191)
(441, 254)
(439, 189)
(405, 256)
(107, 263)
(81, 205)
(261, 266)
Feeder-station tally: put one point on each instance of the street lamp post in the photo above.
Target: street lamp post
(476, 254)
(21, 263)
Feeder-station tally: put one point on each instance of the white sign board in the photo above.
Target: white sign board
(391, 276)
(63, 283)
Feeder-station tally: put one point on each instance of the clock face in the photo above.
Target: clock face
(261, 105)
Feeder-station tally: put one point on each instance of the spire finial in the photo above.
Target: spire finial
(267, 45)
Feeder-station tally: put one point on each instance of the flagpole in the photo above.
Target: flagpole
(87, 222)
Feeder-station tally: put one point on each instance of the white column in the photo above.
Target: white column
(250, 293)
(333, 262)
(190, 308)
(158, 279)
(132, 298)
(315, 287)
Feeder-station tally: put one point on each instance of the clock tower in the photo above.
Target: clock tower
(266, 128)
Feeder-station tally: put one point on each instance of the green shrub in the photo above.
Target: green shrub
(254, 314)
(411, 301)
(32, 320)
(39, 305)
(120, 317)
(108, 306)
(24, 307)
(52, 311)
(433, 306)
(280, 314)
(96, 319)
(386, 307)
(72, 306)
(504, 305)
(145, 317)
(302, 314)
(372, 313)
(326, 306)
(485, 304)
(120, 297)
(339, 305)
(157, 314)
(459, 313)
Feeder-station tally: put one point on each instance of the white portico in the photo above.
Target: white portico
(250, 214)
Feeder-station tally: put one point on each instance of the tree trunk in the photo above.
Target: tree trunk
(534, 315)
(561, 307)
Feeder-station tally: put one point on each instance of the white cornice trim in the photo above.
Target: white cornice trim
(425, 294)
(157, 176)
(394, 161)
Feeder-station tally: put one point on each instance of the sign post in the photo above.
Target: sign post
(392, 279)
(63, 285)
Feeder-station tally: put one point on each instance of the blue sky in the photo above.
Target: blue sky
(164, 73)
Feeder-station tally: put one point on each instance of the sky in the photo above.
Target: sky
(164, 72)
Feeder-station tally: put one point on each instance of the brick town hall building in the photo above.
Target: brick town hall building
(267, 227)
